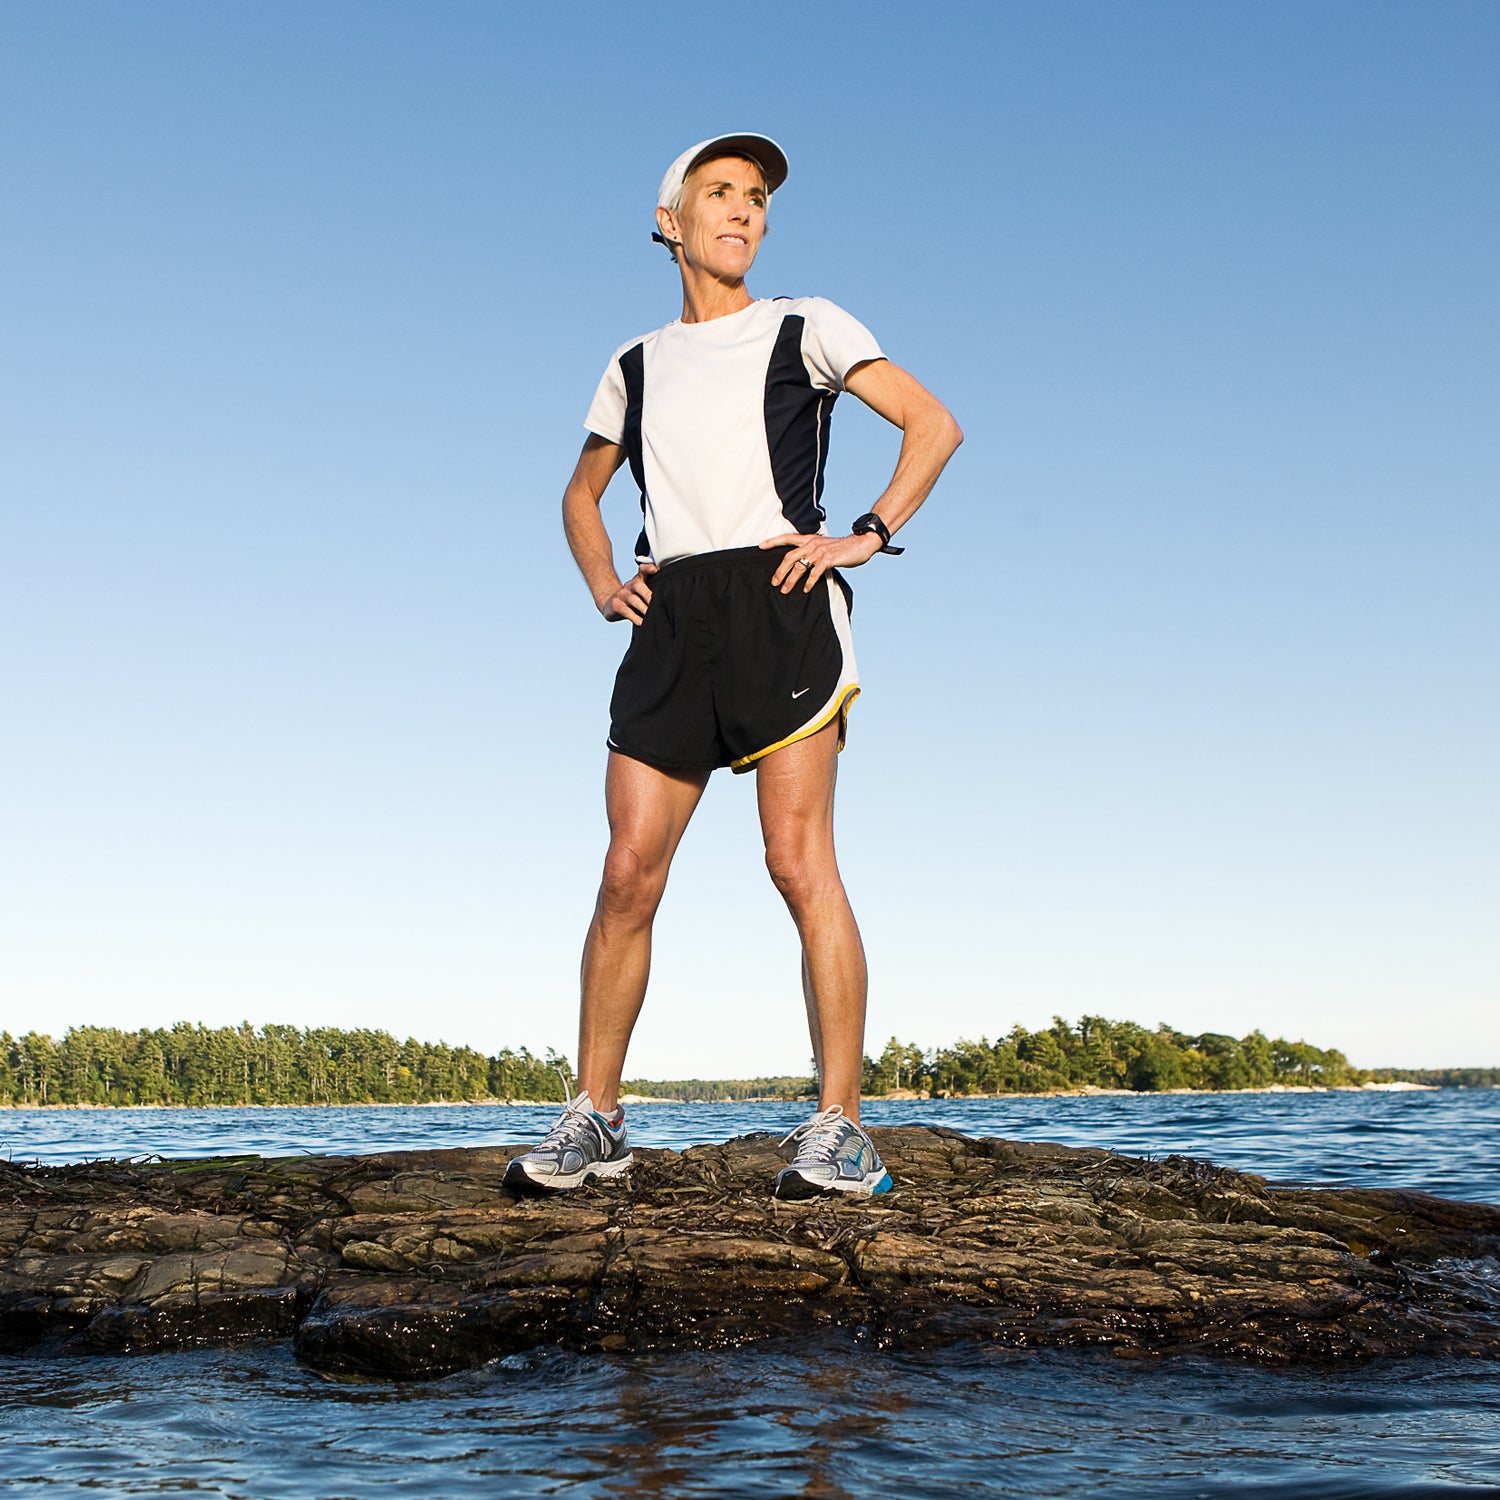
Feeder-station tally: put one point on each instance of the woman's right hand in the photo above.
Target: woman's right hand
(629, 601)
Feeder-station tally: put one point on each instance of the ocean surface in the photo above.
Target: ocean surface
(828, 1420)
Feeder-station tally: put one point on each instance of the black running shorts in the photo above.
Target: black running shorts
(725, 669)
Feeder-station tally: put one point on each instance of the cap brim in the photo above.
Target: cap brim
(760, 148)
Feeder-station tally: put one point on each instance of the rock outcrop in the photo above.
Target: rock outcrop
(413, 1264)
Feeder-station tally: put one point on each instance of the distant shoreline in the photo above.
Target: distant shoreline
(283, 1066)
(900, 1096)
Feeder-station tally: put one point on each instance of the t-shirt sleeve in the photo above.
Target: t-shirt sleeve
(833, 342)
(607, 411)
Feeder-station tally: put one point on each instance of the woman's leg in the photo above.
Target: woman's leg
(795, 793)
(648, 812)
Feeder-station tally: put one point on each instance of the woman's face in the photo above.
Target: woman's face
(723, 216)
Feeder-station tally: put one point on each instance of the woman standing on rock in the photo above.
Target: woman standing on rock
(740, 652)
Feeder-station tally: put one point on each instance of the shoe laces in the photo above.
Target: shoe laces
(818, 1138)
(576, 1114)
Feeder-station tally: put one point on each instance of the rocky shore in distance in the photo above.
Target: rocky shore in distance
(413, 1264)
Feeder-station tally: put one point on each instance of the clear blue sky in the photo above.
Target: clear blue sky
(1180, 706)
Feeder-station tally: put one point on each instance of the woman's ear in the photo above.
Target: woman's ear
(666, 222)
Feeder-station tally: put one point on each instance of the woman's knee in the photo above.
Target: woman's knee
(631, 886)
(801, 869)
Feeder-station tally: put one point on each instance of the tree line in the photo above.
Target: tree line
(202, 1065)
(189, 1064)
(1100, 1053)
(723, 1090)
(1094, 1053)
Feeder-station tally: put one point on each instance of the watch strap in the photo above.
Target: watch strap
(871, 522)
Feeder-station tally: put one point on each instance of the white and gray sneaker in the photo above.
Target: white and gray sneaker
(582, 1145)
(833, 1156)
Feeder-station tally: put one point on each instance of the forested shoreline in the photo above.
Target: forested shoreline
(189, 1064)
(1100, 1053)
(203, 1065)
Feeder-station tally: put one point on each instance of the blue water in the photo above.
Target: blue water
(1443, 1141)
(831, 1420)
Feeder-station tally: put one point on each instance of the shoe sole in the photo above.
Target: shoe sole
(518, 1178)
(794, 1188)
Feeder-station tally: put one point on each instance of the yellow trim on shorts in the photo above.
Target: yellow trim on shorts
(839, 709)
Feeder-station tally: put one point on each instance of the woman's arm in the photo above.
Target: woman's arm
(589, 540)
(929, 436)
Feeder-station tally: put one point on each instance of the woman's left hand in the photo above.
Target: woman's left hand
(810, 557)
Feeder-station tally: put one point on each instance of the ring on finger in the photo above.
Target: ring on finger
(804, 562)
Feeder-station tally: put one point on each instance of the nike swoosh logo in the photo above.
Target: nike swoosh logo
(800, 692)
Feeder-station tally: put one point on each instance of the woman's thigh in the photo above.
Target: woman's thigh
(794, 792)
(649, 808)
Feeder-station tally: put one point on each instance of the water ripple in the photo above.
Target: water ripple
(835, 1419)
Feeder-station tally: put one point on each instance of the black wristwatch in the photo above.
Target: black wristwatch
(871, 522)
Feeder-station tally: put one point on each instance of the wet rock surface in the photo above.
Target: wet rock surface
(414, 1264)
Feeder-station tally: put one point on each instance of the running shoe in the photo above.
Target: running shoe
(582, 1145)
(833, 1156)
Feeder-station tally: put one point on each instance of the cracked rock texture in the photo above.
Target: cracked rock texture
(418, 1263)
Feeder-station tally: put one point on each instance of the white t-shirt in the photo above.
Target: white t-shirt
(725, 423)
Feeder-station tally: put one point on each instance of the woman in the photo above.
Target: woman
(740, 651)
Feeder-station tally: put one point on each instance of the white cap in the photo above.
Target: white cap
(761, 147)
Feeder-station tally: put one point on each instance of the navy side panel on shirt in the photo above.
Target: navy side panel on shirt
(633, 369)
(797, 415)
